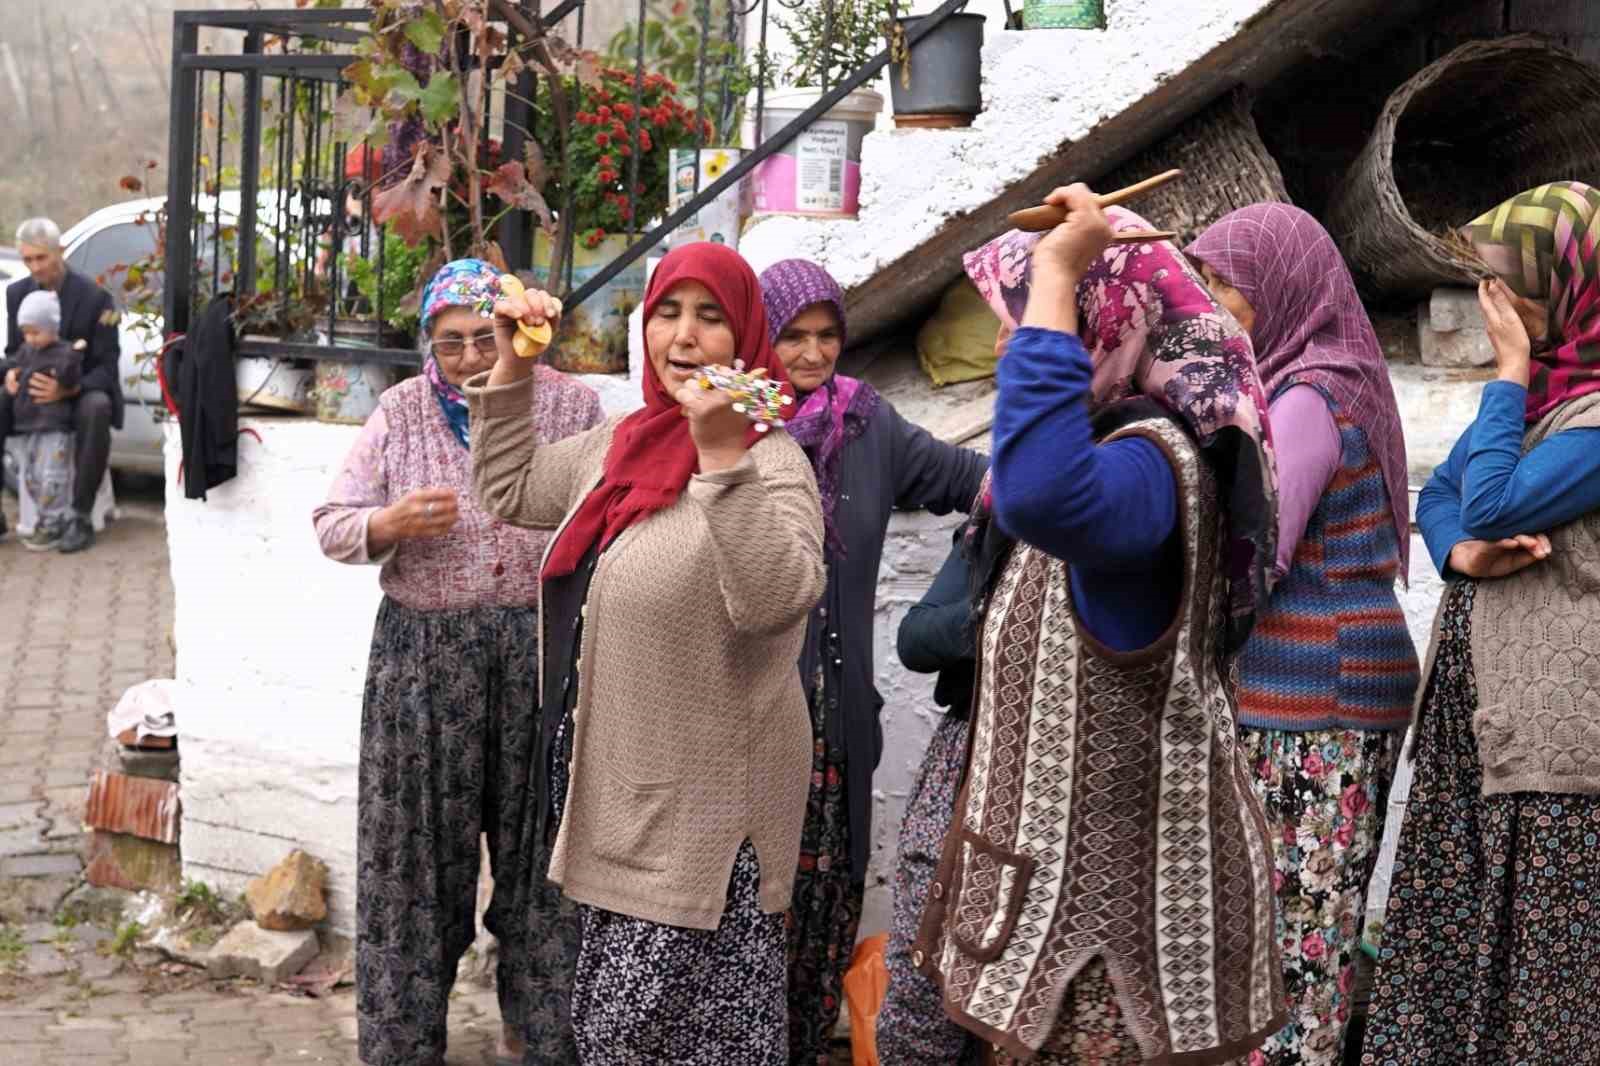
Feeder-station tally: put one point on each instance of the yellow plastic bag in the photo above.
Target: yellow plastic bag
(957, 342)
(866, 983)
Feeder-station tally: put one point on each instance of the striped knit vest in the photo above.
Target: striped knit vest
(1107, 811)
(1332, 650)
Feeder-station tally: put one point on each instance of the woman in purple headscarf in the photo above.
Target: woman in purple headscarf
(868, 461)
(1327, 678)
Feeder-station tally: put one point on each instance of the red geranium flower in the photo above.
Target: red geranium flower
(604, 113)
(602, 139)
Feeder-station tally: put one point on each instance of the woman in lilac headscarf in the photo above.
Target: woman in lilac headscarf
(868, 461)
(1327, 678)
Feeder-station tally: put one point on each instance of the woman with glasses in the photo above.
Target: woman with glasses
(448, 725)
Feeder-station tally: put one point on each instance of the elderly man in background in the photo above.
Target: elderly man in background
(88, 323)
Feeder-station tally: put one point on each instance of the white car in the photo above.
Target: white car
(116, 236)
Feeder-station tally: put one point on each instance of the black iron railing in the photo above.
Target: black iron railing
(259, 201)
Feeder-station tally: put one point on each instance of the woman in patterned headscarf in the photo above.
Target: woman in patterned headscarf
(868, 461)
(448, 726)
(1105, 892)
(1488, 944)
(1328, 675)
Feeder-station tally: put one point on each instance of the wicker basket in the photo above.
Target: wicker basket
(1483, 123)
(1225, 167)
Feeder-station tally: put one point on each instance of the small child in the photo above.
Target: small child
(46, 429)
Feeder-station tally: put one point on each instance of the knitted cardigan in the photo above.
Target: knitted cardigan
(691, 730)
(1332, 650)
(1536, 653)
(1106, 810)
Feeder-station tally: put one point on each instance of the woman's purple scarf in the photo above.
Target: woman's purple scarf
(1310, 328)
(836, 414)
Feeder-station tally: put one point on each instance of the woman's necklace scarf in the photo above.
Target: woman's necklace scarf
(1543, 244)
(652, 454)
(829, 419)
(1154, 334)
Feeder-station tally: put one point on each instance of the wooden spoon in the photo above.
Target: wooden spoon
(1049, 216)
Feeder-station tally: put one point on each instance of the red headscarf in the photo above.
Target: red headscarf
(652, 455)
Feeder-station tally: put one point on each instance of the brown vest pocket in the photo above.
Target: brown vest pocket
(635, 825)
(991, 884)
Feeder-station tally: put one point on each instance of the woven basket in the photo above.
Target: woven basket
(1483, 123)
(1225, 167)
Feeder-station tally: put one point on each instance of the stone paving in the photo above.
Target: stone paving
(78, 630)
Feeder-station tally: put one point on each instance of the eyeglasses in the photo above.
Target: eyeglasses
(450, 347)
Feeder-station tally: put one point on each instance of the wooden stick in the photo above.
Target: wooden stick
(1049, 216)
(1143, 236)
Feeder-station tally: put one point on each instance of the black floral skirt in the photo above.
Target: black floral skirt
(448, 730)
(1488, 953)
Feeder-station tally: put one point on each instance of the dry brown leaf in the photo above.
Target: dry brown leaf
(509, 181)
(412, 206)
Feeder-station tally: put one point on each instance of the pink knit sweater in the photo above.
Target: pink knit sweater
(407, 445)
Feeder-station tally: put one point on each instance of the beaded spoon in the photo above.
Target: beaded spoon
(756, 396)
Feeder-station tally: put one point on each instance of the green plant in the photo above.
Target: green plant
(199, 902)
(126, 940)
(671, 48)
(12, 949)
(830, 39)
(391, 294)
(602, 151)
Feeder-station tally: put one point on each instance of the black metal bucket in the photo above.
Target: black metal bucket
(946, 69)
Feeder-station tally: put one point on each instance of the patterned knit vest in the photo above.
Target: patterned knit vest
(1536, 653)
(1332, 649)
(1107, 811)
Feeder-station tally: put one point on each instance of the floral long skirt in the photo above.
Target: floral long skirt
(912, 1028)
(1324, 794)
(1488, 953)
(647, 994)
(827, 905)
(447, 751)
(1089, 1027)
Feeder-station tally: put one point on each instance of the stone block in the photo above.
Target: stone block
(58, 864)
(251, 951)
(292, 895)
(45, 961)
(118, 860)
(1450, 330)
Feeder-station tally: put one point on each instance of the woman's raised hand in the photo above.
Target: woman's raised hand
(1507, 333)
(534, 307)
(719, 432)
(1499, 558)
(1073, 246)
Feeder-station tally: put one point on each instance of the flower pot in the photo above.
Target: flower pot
(347, 393)
(946, 76)
(274, 384)
(594, 337)
(719, 221)
(1063, 15)
(819, 172)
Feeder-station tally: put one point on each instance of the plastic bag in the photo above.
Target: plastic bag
(866, 983)
(957, 343)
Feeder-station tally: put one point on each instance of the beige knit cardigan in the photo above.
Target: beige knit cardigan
(691, 730)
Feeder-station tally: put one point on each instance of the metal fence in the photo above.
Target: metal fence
(260, 203)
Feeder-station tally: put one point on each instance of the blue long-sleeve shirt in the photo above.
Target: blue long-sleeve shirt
(1487, 489)
(1108, 510)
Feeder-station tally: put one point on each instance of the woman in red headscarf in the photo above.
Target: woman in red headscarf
(675, 738)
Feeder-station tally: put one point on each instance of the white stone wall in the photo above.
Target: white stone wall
(272, 643)
(913, 181)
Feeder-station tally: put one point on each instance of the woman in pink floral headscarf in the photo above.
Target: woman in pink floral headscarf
(1105, 891)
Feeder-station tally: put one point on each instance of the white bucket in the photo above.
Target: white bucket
(819, 172)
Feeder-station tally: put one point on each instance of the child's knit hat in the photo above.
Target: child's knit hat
(40, 309)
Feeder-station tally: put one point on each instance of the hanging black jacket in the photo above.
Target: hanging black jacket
(201, 374)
